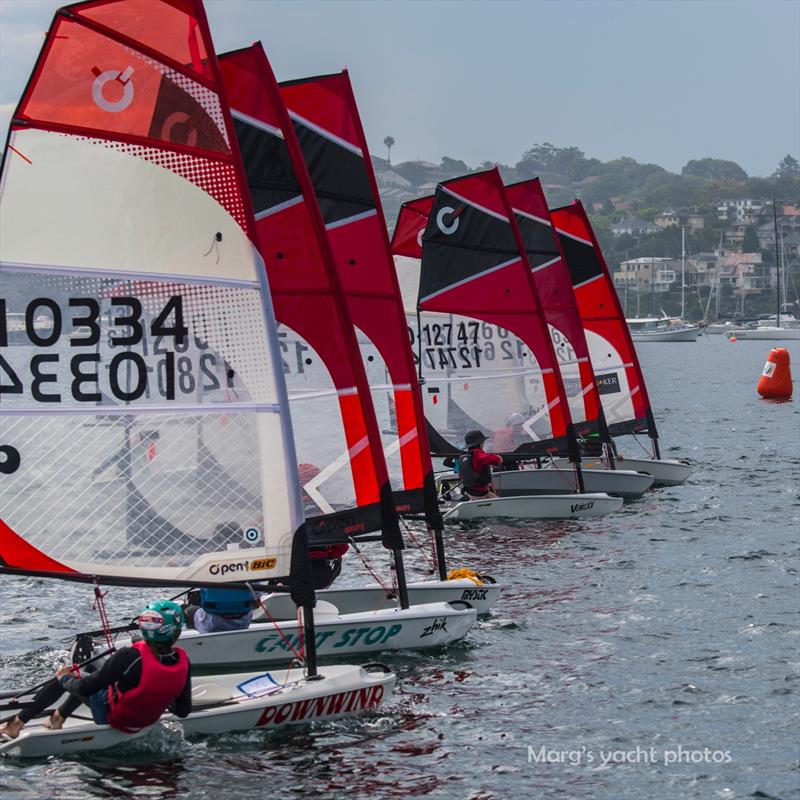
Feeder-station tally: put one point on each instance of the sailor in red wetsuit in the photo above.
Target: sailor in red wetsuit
(474, 467)
(132, 689)
(326, 564)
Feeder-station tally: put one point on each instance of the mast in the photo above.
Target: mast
(777, 261)
(683, 268)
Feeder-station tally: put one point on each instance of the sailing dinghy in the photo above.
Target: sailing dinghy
(614, 359)
(486, 358)
(223, 703)
(123, 145)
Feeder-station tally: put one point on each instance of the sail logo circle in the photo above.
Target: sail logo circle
(98, 89)
(419, 236)
(440, 222)
(252, 535)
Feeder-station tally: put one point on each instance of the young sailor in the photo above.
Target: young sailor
(220, 610)
(474, 467)
(134, 686)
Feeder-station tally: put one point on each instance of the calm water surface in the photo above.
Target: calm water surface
(670, 627)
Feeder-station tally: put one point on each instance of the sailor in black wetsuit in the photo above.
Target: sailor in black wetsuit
(132, 689)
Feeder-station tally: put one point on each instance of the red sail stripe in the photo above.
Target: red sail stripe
(16, 553)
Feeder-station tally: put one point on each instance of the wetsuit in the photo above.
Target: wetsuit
(123, 670)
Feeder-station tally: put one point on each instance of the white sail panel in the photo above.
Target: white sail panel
(162, 455)
(113, 206)
(477, 375)
(323, 462)
(612, 379)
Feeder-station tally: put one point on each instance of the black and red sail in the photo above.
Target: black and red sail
(336, 431)
(329, 130)
(554, 287)
(614, 360)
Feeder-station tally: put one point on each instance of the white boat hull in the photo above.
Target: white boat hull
(773, 334)
(624, 483)
(680, 335)
(562, 506)
(337, 635)
(351, 601)
(665, 471)
(343, 690)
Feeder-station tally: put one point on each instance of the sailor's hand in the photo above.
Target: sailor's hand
(62, 671)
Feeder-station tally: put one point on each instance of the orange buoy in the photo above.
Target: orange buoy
(775, 382)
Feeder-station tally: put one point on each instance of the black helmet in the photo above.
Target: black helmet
(474, 439)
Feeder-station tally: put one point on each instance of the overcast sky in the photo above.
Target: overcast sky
(663, 81)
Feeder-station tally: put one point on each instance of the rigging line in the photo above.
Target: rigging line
(100, 606)
(274, 622)
(636, 439)
(421, 547)
(432, 545)
(386, 588)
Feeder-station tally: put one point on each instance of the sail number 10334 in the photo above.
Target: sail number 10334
(46, 326)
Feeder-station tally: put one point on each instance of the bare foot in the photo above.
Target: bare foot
(55, 722)
(12, 727)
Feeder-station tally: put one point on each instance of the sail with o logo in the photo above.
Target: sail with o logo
(144, 427)
(346, 487)
(616, 366)
(485, 353)
(328, 127)
(553, 287)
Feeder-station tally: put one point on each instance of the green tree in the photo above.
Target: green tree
(750, 243)
(608, 208)
(789, 167)
(454, 165)
(714, 169)
(568, 161)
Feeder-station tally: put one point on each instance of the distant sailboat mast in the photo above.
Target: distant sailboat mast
(683, 270)
(777, 262)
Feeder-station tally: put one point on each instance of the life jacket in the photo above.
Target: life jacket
(231, 602)
(472, 479)
(159, 685)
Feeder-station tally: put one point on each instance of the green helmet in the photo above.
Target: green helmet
(161, 621)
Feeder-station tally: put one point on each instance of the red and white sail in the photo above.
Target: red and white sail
(342, 468)
(554, 288)
(144, 433)
(329, 130)
(616, 366)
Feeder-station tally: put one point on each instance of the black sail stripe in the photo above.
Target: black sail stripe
(332, 169)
